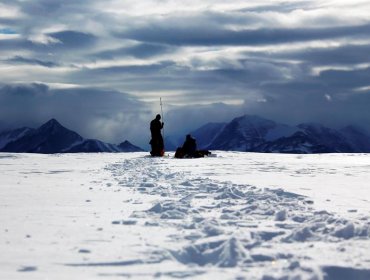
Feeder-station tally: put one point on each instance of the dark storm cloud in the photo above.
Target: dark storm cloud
(66, 40)
(329, 109)
(344, 80)
(54, 8)
(73, 39)
(204, 36)
(8, 21)
(342, 55)
(252, 70)
(138, 51)
(332, 98)
(42, 7)
(201, 85)
(31, 61)
(33, 17)
(336, 83)
(16, 44)
(281, 7)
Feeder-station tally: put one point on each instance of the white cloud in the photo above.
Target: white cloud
(9, 11)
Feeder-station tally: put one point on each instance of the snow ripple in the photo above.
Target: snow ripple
(229, 225)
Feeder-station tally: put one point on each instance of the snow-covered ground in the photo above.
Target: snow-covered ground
(234, 216)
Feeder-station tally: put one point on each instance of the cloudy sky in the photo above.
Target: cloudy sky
(100, 66)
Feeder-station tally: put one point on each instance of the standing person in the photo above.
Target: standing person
(157, 140)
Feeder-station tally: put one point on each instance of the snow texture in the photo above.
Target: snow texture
(234, 216)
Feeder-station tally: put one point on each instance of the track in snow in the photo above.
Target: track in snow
(269, 233)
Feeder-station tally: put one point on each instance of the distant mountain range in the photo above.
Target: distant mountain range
(246, 133)
(52, 138)
(255, 134)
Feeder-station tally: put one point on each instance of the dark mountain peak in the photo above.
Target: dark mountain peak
(253, 118)
(126, 146)
(253, 133)
(328, 137)
(313, 126)
(249, 121)
(317, 129)
(242, 133)
(49, 138)
(52, 137)
(298, 143)
(53, 123)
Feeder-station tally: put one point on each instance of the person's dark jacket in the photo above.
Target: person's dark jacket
(155, 128)
(190, 146)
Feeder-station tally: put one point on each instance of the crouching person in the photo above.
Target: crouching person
(189, 149)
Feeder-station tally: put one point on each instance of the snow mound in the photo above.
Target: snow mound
(167, 206)
(226, 253)
(210, 229)
(346, 232)
(230, 192)
(301, 235)
(280, 215)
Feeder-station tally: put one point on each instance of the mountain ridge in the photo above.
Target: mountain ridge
(52, 137)
(247, 133)
(250, 133)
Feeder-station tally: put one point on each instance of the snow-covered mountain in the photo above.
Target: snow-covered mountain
(247, 132)
(12, 135)
(93, 146)
(298, 143)
(129, 147)
(97, 146)
(357, 138)
(52, 137)
(207, 133)
(242, 134)
(49, 138)
(204, 136)
(331, 138)
(253, 133)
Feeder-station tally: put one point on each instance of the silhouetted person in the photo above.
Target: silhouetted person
(157, 140)
(189, 147)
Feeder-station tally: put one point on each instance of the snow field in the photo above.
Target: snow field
(129, 215)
